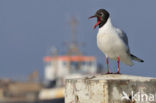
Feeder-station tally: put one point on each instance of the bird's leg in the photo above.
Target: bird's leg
(107, 65)
(118, 65)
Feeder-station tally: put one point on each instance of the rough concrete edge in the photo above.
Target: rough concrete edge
(114, 77)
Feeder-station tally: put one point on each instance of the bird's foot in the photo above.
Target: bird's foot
(109, 73)
(117, 72)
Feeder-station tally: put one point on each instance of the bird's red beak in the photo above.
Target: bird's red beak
(98, 20)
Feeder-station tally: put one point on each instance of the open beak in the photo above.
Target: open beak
(98, 20)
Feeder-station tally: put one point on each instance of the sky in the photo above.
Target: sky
(29, 28)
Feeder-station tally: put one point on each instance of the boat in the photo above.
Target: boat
(58, 67)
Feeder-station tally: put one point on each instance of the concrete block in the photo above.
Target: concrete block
(112, 88)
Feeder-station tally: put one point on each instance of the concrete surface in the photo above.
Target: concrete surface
(112, 88)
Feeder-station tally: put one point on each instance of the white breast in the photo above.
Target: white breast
(111, 44)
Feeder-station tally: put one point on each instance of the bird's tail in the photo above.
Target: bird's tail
(136, 58)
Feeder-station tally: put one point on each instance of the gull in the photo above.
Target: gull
(112, 41)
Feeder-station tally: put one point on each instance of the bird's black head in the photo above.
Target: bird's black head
(102, 16)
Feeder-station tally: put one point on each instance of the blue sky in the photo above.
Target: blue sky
(29, 28)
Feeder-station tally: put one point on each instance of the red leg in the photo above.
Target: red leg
(107, 65)
(118, 65)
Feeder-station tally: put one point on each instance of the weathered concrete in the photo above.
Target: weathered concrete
(110, 88)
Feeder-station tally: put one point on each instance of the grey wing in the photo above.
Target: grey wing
(124, 37)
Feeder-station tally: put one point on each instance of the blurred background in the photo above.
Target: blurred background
(32, 30)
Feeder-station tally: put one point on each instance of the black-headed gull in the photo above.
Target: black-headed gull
(112, 41)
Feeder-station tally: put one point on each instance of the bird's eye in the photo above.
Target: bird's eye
(101, 14)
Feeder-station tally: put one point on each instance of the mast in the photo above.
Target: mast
(73, 46)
